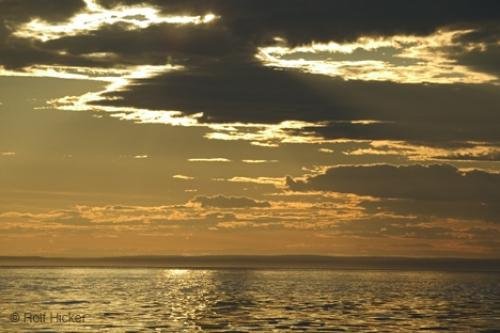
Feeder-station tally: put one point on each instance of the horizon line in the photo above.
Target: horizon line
(258, 262)
(300, 255)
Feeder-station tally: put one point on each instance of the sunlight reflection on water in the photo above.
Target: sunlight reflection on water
(183, 300)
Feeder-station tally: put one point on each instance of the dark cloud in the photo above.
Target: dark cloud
(493, 156)
(229, 92)
(418, 182)
(250, 93)
(48, 10)
(246, 24)
(301, 21)
(17, 53)
(221, 201)
(459, 209)
(223, 80)
(435, 190)
(485, 58)
(181, 44)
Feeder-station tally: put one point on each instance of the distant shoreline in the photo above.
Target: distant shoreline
(257, 262)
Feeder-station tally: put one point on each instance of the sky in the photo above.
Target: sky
(347, 127)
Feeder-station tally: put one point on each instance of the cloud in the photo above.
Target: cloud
(399, 58)
(53, 219)
(182, 44)
(94, 17)
(211, 159)
(433, 190)
(182, 177)
(433, 182)
(493, 155)
(424, 208)
(18, 52)
(452, 151)
(221, 201)
(483, 49)
(275, 181)
(259, 161)
(49, 10)
(145, 32)
(219, 81)
(300, 21)
(322, 107)
(329, 216)
(33, 31)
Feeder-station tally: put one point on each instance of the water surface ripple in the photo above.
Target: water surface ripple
(172, 300)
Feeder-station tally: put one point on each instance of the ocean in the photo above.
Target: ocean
(246, 300)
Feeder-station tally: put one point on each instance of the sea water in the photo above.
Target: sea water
(235, 300)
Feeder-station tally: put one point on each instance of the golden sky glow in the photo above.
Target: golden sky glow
(178, 128)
